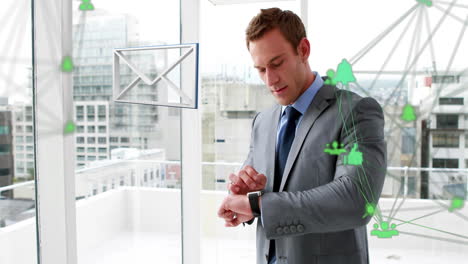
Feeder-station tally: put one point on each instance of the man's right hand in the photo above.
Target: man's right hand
(247, 180)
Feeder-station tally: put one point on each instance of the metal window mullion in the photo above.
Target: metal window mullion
(55, 193)
(304, 11)
(190, 144)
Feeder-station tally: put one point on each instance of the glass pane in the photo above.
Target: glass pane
(128, 175)
(232, 93)
(17, 187)
(408, 56)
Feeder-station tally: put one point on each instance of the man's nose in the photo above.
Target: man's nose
(271, 77)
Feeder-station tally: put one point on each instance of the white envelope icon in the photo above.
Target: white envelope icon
(185, 100)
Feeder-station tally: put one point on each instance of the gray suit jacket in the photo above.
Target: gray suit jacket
(317, 217)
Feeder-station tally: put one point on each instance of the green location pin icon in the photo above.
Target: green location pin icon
(67, 64)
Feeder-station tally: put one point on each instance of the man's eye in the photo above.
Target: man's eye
(261, 70)
(277, 65)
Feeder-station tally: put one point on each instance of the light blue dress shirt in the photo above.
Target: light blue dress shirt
(301, 104)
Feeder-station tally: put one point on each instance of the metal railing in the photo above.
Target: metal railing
(405, 170)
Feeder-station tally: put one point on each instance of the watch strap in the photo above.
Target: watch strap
(254, 202)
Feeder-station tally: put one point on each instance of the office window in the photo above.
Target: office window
(19, 139)
(447, 121)
(451, 101)
(102, 129)
(91, 158)
(102, 150)
(91, 140)
(30, 156)
(92, 150)
(445, 140)
(411, 185)
(29, 129)
(19, 129)
(80, 140)
(408, 140)
(80, 149)
(124, 140)
(80, 113)
(80, 129)
(466, 140)
(445, 79)
(102, 157)
(19, 148)
(91, 129)
(445, 163)
(29, 148)
(101, 113)
(4, 149)
(90, 112)
(80, 157)
(4, 172)
(19, 156)
(29, 139)
(114, 139)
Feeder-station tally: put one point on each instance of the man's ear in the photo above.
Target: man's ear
(303, 49)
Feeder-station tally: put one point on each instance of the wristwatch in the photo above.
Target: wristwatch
(254, 202)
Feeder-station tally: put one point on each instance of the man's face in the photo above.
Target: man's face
(280, 67)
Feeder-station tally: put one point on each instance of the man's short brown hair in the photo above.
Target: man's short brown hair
(288, 23)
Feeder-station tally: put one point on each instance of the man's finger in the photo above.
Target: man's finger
(233, 178)
(260, 179)
(250, 170)
(237, 186)
(247, 180)
(235, 222)
(223, 208)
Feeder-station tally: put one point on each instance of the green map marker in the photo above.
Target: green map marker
(334, 150)
(70, 127)
(457, 203)
(385, 232)
(428, 3)
(354, 157)
(67, 64)
(370, 210)
(86, 5)
(344, 73)
(408, 113)
(331, 77)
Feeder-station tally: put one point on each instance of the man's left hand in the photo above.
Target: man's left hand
(235, 210)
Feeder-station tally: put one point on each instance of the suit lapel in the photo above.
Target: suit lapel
(317, 106)
(271, 146)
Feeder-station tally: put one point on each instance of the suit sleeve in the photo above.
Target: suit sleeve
(340, 204)
(249, 160)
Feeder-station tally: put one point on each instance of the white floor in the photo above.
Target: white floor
(155, 248)
(385, 256)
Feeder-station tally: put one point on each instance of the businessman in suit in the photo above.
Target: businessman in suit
(316, 159)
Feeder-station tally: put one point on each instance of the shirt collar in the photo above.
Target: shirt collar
(303, 102)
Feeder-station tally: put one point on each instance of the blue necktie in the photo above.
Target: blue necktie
(285, 140)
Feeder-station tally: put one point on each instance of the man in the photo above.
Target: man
(319, 156)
